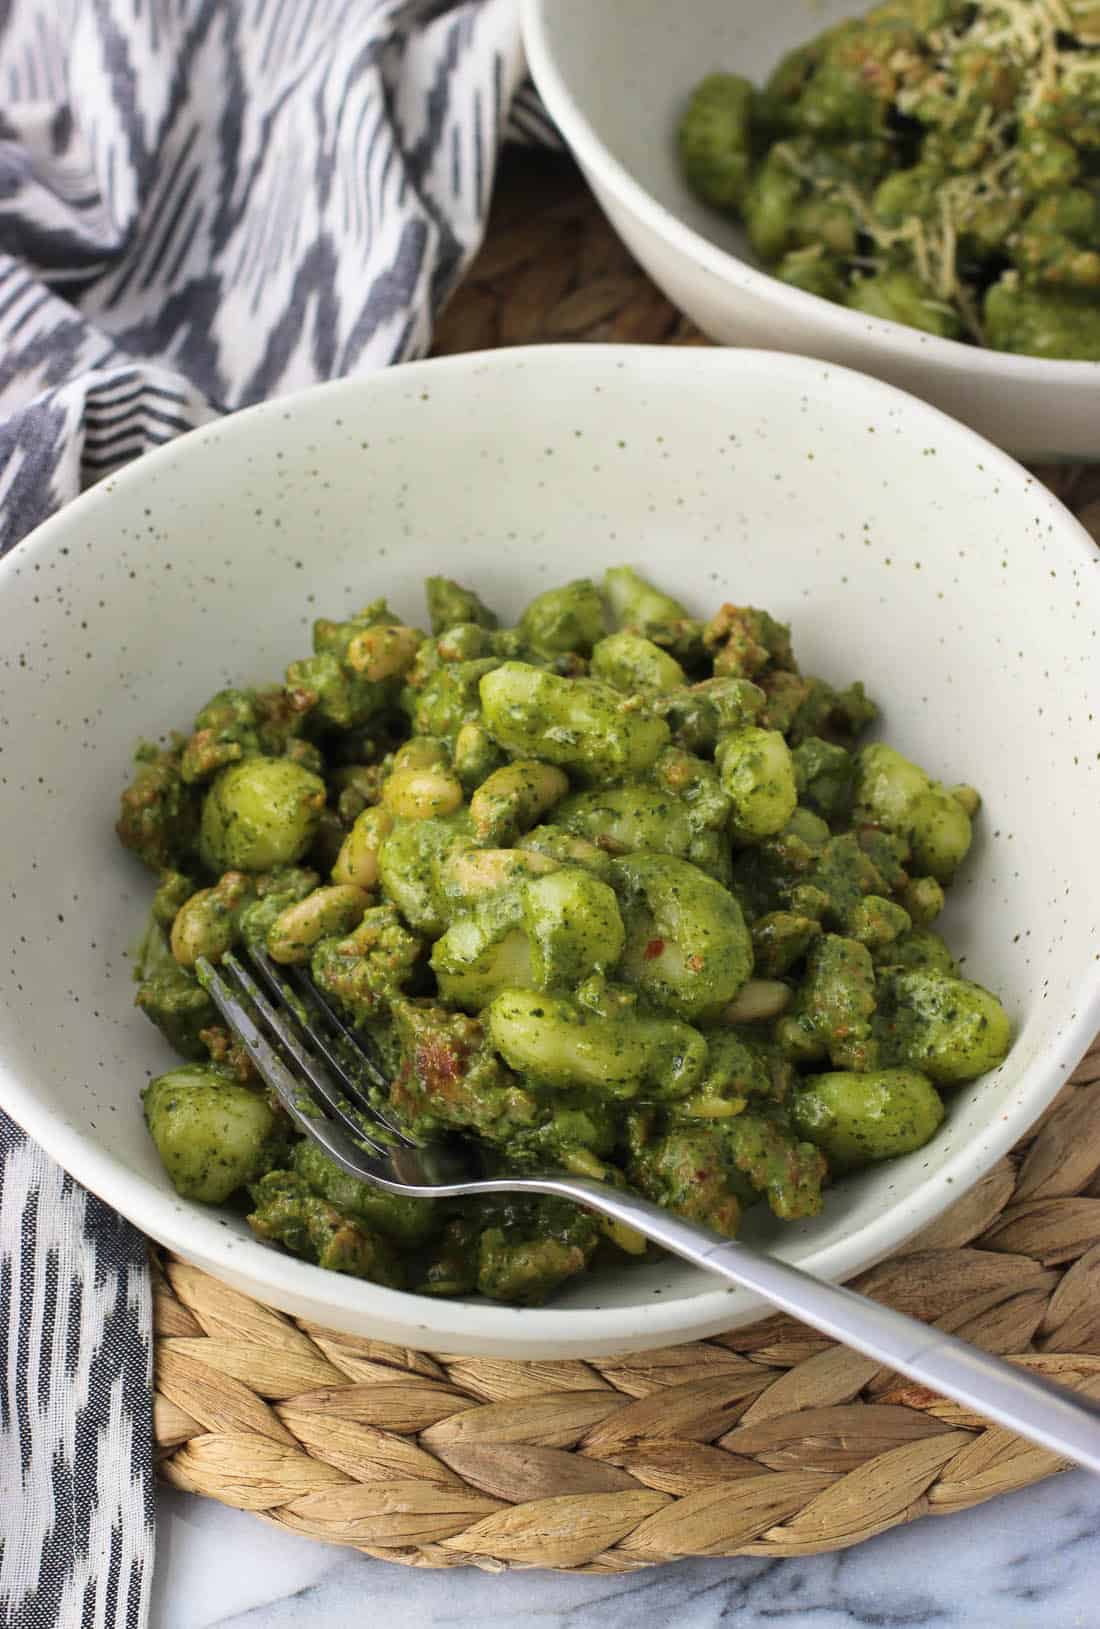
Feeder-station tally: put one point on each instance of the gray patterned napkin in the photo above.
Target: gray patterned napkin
(203, 203)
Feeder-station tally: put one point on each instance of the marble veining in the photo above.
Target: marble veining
(1027, 1561)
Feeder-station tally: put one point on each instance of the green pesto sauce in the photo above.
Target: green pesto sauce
(676, 936)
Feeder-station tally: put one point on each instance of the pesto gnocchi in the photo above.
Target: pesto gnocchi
(616, 889)
(932, 162)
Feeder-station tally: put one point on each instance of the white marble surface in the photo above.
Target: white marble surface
(1021, 1562)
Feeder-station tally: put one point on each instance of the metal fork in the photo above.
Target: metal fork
(322, 1075)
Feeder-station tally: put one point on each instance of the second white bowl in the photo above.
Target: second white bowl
(905, 552)
(615, 77)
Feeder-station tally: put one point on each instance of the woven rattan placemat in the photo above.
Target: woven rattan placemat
(768, 1441)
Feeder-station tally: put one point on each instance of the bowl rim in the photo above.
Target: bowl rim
(898, 339)
(483, 1327)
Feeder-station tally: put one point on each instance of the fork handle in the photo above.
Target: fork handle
(1059, 1419)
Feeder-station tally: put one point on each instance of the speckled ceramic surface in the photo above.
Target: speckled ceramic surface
(906, 552)
(615, 77)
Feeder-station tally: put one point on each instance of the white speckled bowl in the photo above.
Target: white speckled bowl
(904, 549)
(615, 76)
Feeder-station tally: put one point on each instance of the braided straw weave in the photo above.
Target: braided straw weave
(769, 1441)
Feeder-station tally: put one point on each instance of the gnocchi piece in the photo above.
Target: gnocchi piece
(573, 927)
(895, 794)
(213, 1134)
(514, 798)
(579, 724)
(758, 776)
(687, 948)
(260, 813)
(947, 1027)
(560, 1042)
(856, 1119)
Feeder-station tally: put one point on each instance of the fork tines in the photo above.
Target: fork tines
(303, 1052)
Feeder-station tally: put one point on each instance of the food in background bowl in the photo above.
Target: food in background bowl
(613, 890)
(936, 162)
